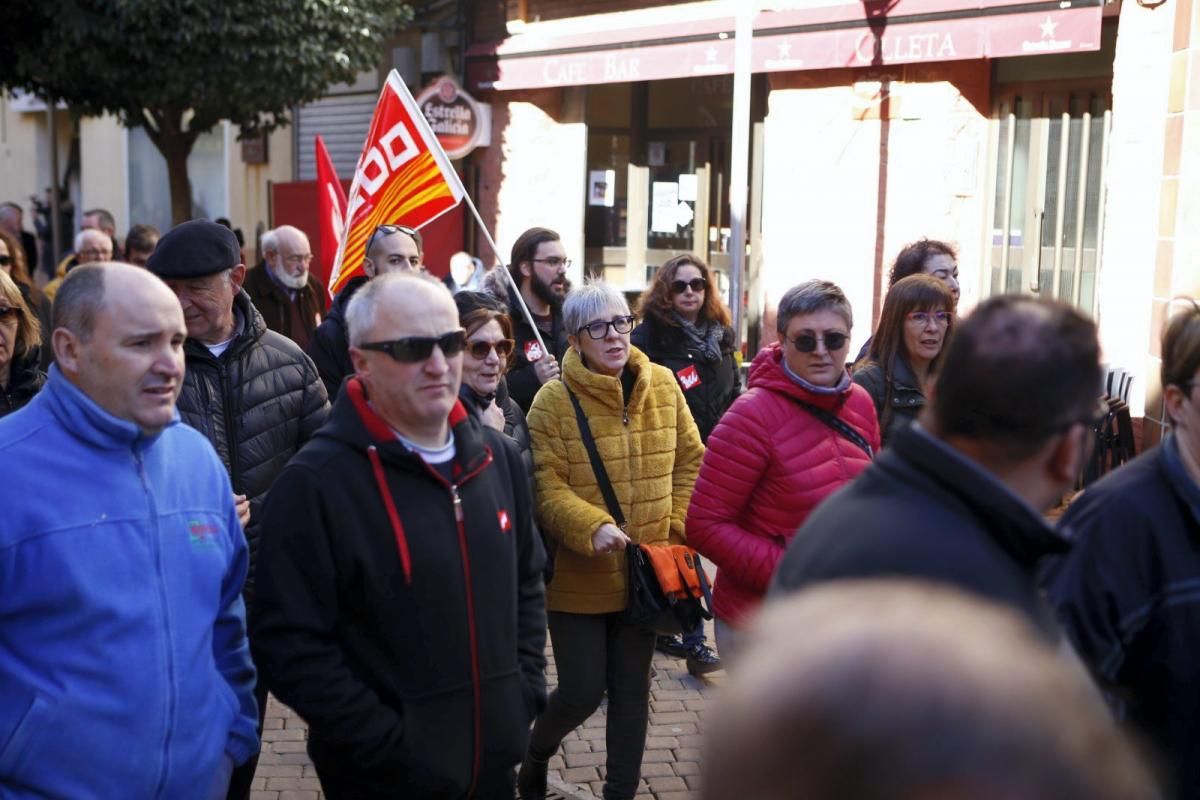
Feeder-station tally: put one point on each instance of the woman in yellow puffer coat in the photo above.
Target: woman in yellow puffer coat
(651, 451)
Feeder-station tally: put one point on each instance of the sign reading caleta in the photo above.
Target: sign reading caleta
(459, 122)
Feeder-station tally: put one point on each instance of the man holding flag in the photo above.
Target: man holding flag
(392, 248)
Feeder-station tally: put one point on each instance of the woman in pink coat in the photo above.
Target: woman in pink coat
(800, 432)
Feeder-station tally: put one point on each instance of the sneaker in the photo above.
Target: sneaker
(702, 660)
(672, 646)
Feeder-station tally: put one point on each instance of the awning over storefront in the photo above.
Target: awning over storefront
(695, 40)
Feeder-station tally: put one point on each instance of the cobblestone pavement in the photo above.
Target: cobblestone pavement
(670, 769)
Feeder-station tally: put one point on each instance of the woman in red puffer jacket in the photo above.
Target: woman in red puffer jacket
(800, 432)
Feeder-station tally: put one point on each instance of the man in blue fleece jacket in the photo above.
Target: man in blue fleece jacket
(124, 665)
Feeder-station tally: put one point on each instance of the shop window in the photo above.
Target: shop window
(1049, 149)
(149, 190)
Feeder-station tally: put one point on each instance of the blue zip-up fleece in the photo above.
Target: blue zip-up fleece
(124, 665)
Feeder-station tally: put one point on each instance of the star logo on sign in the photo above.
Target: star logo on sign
(1048, 28)
(785, 50)
(710, 55)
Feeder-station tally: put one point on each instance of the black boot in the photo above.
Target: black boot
(531, 778)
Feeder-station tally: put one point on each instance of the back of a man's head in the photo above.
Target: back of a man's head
(893, 690)
(1018, 371)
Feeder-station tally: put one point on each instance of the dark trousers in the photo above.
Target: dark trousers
(596, 653)
(243, 776)
(341, 780)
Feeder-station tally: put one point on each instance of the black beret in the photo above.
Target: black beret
(195, 249)
(473, 301)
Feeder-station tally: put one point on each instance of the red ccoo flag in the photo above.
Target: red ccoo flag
(403, 177)
(331, 208)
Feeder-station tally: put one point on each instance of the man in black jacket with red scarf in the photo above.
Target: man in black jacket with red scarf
(400, 604)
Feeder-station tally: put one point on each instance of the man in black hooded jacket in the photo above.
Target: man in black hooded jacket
(400, 608)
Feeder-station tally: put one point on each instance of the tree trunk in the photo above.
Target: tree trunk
(177, 177)
(175, 144)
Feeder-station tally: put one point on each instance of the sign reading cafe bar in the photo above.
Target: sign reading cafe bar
(459, 121)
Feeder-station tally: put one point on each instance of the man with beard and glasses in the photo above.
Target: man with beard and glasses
(539, 267)
(287, 295)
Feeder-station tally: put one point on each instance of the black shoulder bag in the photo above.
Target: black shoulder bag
(839, 425)
(668, 590)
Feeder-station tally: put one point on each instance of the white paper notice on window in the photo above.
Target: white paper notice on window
(687, 188)
(664, 197)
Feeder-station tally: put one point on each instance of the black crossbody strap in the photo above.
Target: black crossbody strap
(589, 444)
(839, 425)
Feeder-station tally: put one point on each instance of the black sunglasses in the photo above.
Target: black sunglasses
(697, 285)
(479, 350)
(8, 312)
(413, 349)
(806, 343)
(5, 261)
(388, 230)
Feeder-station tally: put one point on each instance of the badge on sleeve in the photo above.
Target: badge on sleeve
(505, 521)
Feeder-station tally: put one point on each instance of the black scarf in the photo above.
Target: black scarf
(707, 339)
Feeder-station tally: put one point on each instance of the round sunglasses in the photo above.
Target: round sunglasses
(479, 350)
(807, 343)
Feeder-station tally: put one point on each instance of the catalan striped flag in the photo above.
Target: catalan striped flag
(403, 177)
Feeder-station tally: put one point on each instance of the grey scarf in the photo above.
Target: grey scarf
(707, 339)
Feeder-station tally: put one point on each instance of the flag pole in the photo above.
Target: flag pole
(507, 274)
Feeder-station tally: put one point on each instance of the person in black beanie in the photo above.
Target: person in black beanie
(252, 392)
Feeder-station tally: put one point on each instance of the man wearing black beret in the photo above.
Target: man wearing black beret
(251, 391)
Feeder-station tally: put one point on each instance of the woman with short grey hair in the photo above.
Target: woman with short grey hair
(801, 431)
(650, 450)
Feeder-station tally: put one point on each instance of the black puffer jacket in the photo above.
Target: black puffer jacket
(515, 426)
(402, 616)
(258, 404)
(898, 400)
(329, 347)
(25, 379)
(709, 387)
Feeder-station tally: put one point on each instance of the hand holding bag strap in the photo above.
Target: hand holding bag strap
(589, 444)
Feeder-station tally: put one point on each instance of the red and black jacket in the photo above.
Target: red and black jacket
(400, 614)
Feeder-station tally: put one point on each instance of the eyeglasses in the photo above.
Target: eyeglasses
(923, 318)
(413, 349)
(697, 285)
(388, 230)
(554, 262)
(479, 350)
(8, 312)
(5, 261)
(807, 343)
(599, 328)
(92, 252)
(296, 259)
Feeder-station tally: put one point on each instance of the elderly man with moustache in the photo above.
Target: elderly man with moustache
(290, 299)
(124, 666)
(400, 607)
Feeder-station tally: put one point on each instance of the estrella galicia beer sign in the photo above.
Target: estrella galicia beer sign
(459, 122)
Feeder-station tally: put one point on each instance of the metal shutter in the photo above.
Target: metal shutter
(342, 120)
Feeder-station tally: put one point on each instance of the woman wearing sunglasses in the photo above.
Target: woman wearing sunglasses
(800, 432)
(20, 377)
(685, 327)
(12, 262)
(485, 360)
(650, 451)
(913, 332)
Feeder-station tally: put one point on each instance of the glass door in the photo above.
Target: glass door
(1049, 154)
